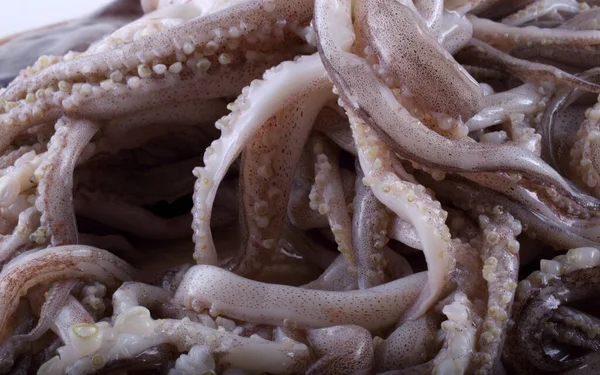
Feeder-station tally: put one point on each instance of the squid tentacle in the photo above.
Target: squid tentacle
(46, 265)
(501, 271)
(56, 179)
(354, 356)
(370, 225)
(255, 106)
(328, 198)
(225, 293)
(376, 104)
(267, 175)
(56, 298)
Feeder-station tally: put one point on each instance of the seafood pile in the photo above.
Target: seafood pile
(303, 187)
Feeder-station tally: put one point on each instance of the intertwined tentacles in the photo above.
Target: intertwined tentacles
(383, 173)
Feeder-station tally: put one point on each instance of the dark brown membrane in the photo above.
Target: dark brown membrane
(524, 349)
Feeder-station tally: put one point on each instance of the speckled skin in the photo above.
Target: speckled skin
(268, 165)
(56, 180)
(209, 287)
(354, 128)
(51, 264)
(237, 129)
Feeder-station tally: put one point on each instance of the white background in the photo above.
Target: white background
(23, 15)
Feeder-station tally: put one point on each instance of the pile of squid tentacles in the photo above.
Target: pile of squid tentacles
(303, 187)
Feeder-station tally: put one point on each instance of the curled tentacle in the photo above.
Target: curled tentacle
(198, 360)
(250, 111)
(268, 165)
(574, 285)
(17, 178)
